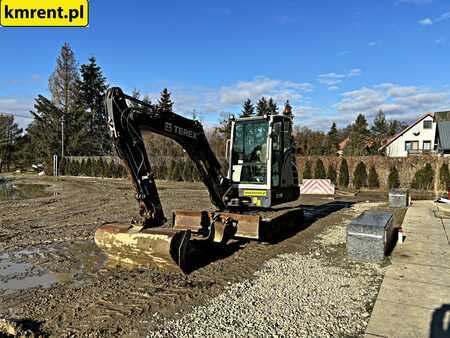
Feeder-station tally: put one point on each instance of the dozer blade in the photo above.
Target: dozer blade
(150, 247)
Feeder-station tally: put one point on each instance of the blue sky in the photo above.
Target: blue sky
(331, 59)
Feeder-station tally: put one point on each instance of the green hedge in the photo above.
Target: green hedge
(177, 170)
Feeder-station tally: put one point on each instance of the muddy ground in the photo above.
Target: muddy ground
(53, 276)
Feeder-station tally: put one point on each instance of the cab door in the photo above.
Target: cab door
(277, 153)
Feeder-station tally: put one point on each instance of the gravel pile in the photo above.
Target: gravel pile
(292, 295)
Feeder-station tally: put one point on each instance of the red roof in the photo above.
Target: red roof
(343, 144)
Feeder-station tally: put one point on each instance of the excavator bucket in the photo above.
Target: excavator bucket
(174, 248)
(152, 247)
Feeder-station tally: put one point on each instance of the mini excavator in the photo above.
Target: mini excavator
(261, 174)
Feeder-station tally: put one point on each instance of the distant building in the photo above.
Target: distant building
(342, 145)
(428, 135)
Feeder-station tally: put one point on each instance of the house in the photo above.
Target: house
(430, 134)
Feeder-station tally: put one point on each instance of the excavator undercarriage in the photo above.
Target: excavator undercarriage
(261, 174)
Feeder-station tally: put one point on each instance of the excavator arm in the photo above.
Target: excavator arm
(149, 243)
(127, 121)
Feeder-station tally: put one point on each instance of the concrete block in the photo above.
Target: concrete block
(370, 236)
(399, 198)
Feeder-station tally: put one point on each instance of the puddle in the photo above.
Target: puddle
(11, 191)
(73, 263)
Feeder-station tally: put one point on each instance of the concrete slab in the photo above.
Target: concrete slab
(408, 292)
(419, 273)
(392, 319)
(425, 241)
(414, 299)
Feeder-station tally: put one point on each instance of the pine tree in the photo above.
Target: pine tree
(343, 174)
(67, 171)
(423, 179)
(45, 131)
(319, 170)
(224, 128)
(75, 168)
(380, 126)
(444, 176)
(360, 176)
(331, 173)
(195, 174)
(165, 103)
(361, 125)
(136, 94)
(393, 178)
(63, 85)
(272, 107)
(92, 89)
(373, 178)
(113, 169)
(262, 107)
(187, 170)
(146, 99)
(90, 171)
(307, 172)
(333, 140)
(247, 109)
(10, 134)
(63, 81)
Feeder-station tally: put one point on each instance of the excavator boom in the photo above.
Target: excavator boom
(150, 241)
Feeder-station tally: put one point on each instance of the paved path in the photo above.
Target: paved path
(414, 299)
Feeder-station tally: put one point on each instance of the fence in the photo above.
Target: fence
(407, 167)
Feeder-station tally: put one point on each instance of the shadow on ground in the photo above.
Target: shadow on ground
(284, 225)
(439, 326)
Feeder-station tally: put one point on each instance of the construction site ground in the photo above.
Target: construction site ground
(54, 280)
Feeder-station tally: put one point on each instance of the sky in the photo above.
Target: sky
(331, 59)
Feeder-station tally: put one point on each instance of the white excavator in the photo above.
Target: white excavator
(261, 174)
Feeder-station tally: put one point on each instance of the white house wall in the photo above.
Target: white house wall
(397, 147)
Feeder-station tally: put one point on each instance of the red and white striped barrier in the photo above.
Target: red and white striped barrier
(317, 187)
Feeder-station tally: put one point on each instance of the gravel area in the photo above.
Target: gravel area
(320, 294)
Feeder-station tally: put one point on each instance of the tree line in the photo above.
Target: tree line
(356, 139)
(368, 178)
(72, 121)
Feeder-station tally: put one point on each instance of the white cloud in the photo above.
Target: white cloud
(426, 22)
(15, 106)
(354, 72)
(305, 110)
(372, 44)
(440, 18)
(403, 102)
(279, 90)
(332, 80)
(230, 98)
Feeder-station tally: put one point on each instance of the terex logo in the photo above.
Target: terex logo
(170, 128)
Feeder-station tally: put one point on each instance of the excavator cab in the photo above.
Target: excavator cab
(261, 162)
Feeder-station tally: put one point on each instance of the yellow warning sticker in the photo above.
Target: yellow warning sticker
(255, 193)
